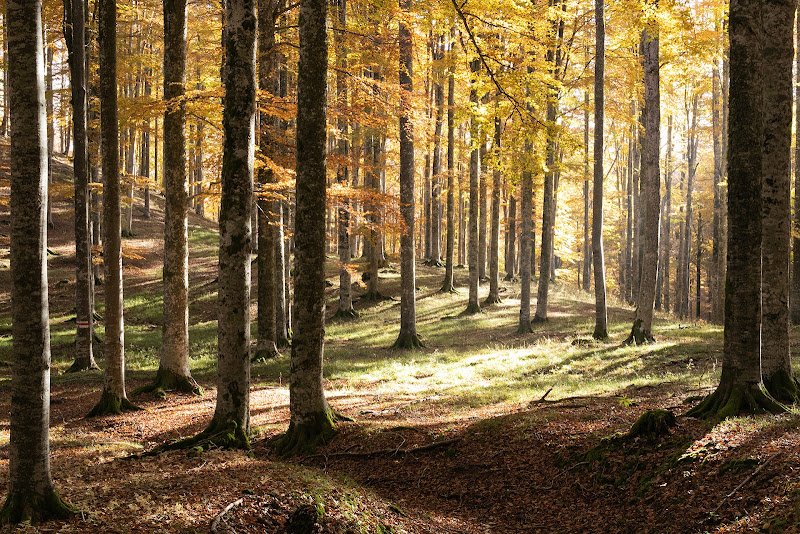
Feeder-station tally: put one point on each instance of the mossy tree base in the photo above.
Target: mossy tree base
(538, 319)
(638, 336)
(265, 353)
(448, 287)
(283, 343)
(373, 296)
(731, 399)
(652, 424)
(433, 263)
(218, 435)
(408, 342)
(345, 315)
(472, 309)
(783, 387)
(492, 299)
(111, 404)
(600, 335)
(304, 438)
(82, 364)
(23, 506)
(525, 328)
(170, 381)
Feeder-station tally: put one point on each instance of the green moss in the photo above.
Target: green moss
(227, 434)
(111, 404)
(304, 437)
(407, 342)
(166, 380)
(652, 424)
(28, 506)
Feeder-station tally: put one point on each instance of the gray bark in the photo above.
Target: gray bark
(494, 240)
(474, 176)
(31, 495)
(651, 177)
(598, 256)
(794, 299)
(448, 285)
(776, 365)
(233, 300)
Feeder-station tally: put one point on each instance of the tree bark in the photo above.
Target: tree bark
(511, 235)
(408, 338)
(794, 299)
(31, 494)
(641, 331)
(75, 30)
(113, 399)
(474, 176)
(586, 263)
(776, 364)
(598, 256)
(739, 390)
(494, 240)
(311, 418)
(448, 285)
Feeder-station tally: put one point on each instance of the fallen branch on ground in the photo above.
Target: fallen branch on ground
(217, 520)
(428, 447)
(748, 479)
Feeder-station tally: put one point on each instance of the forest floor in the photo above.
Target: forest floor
(483, 430)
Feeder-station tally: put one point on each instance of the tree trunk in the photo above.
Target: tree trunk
(31, 495)
(587, 247)
(776, 76)
(511, 235)
(716, 126)
(75, 36)
(598, 256)
(436, 179)
(494, 241)
(794, 299)
(173, 369)
(311, 418)
(482, 226)
(113, 399)
(447, 285)
(739, 390)
(651, 176)
(408, 338)
(474, 176)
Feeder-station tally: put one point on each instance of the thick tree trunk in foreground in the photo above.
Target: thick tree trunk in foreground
(31, 495)
(173, 369)
(794, 299)
(408, 338)
(598, 257)
(84, 320)
(113, 399)
(311, 418)
(641, 331)
(739, 390)
(776, 364)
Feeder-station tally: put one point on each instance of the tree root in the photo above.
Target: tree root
(433, 263)
(263, 353)
(731, 399)
(345, 315)
(373, 296)
(638, 336)
(492, 299)
(218, 435)
(170, 381)
(303, 438)
(28, 506)
(448, 287)
(783, 387)
(525, 328)
(538, 319)
(82, 364)
(600, 335)
(408, 342)
(111, 404)
(472, 309)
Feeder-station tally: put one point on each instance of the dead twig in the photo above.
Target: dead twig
(745, 481)
(217, 520)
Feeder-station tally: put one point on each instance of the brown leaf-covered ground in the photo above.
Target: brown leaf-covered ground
(546, 464)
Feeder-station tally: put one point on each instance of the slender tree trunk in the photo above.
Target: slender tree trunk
(776, 363)
(311, 418)
(494, 241)
(628, 269)
(113, 399)
(794, 299)
(75, 36)
(598, 256)
(408, 337)
(716, 126)
(436, 180)
(698, 287)
(474, 176)
(511, 236)
(666, 234)
(447, 285)
(482, 226)
(587, 248)
(31, 495)
(651, 176)
(51, 132)
(173, 370)
(739, 390)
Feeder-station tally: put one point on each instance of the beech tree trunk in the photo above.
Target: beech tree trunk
(232, 411)
(311, 418)
(511, 235)
(666, 233)
(739, 390)
(173, 369)
(113, 399)
(494, 240)
(448, 285)
(31, 495)
(408, 337)
(75, 35)
(482, 222)
(651, 181)
(586, 263)
(794, 299)
(474, 176)
(598, 256)
(776, 364)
